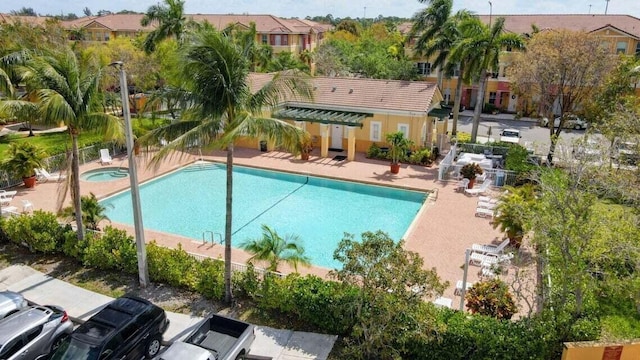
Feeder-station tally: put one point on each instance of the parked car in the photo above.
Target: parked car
(571, 122)
(10, 303)
(510, 135)
(127, 328)
(33, 333)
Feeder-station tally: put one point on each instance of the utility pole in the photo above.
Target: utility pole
(143, 270)
(589, 8)
(490, 12)
(606, 7)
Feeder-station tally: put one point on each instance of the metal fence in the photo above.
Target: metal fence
(237, 267)
(499, 177)
(58, 162)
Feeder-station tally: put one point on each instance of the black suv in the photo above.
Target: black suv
(127, 328)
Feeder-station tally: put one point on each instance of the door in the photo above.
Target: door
(513, 100)
(336, 136)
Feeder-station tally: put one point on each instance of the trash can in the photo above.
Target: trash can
(263, 146)
(500, 176)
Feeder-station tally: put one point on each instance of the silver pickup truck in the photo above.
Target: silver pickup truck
(217, 338)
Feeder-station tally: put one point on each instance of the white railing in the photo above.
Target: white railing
(447, 162)
(237, 267)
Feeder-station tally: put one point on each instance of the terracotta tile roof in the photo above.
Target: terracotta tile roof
(521, 24)
(264, 23)
(366, 95)
(32, 20)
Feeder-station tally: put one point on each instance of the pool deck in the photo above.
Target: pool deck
(441, 232)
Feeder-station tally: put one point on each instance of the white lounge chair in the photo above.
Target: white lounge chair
(487, 260)
(43, 175)
(484, 212)
(486, 205)
(458, 289)
(479, 190)
(443, 302)
(105, 157)
(488, 199)
(490, 249)
(7, 196)
(9, 211)
(462, 184)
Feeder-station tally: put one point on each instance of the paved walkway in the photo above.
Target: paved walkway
(440, 233)
(81, 304)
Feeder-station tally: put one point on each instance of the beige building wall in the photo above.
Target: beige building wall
(600, 351)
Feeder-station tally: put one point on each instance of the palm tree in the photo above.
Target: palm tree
(68, 91)
(171, 22)
(439, 34)
(274, 249)
(482, 45)
(223, 108)
(92, 212)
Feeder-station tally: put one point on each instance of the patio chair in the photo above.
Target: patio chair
(462, 184)
(488, 199)
(458, 289)
(490, 249)
(9, 211)
(27, 206)
(43, 176)
(105, 157)
(486, 205)
(443, 302)
(487, 260)
(479, 190)
(7, 196)
(483, 212)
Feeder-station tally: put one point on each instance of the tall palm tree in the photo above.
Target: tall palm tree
(438, 35)
(274, 249)
(67, 91)
(482, 46)
(223, 108)
(170, 22)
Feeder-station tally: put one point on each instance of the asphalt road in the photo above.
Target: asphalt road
(533, 135)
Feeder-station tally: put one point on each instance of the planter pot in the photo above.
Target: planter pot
(29, 182)
(515, 240)
(471, 183)
(304, 156)
(395, 168)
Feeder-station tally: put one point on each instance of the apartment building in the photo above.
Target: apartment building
(619, 33)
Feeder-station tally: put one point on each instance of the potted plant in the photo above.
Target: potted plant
(306, 146)
(23, 158)
(398, 146)
(512, 212)
(470, 171)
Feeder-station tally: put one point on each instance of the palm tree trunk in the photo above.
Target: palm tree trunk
(440, 76)
(479, 103)
(75, 183)
(228, 296)
(457, 101)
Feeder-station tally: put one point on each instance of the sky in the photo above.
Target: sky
(337, 8)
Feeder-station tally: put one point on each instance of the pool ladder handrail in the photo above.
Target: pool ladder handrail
(213, 234)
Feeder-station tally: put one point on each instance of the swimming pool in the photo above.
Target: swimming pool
(191, 201)
(105, 174)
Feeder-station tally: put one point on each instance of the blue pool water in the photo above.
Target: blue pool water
(191, 201)
(105, 174)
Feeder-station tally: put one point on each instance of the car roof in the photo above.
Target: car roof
(10, 296)
(515, 130)
(22, 321)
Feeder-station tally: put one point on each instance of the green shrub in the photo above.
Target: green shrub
(374, 152)
(246, 283)
(113, 250)
(210, 279)
(421, 157)
(463, 137)
(491, 298)
(71, 246)
(173, 266)
(39, 231)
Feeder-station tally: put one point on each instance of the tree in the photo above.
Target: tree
(562, 69)
(86, 11)
(170, 22)
(68, 91)
(438, 35)
(92, 212)
(481, 45)
(491, 298)
(274, 249)
(224, 108)
(391, 281)
(25, 11)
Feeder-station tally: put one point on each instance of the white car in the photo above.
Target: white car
(510, 136)
(571, 122)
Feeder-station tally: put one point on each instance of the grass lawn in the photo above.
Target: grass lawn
(53, 143)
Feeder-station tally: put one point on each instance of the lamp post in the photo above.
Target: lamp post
(463, 291)
(143, 271)
(490, 12)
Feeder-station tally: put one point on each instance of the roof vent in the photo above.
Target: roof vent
(350, 91)
(333, 89)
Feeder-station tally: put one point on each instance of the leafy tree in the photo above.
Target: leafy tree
(170, 22)
(92, 212)
(350, 26)
(274, 249)
(562, 69)
(512, 212)
(391, 281)
(68, 91)
(25, 11)
(223, 108)
(86, 11)
(491, 298)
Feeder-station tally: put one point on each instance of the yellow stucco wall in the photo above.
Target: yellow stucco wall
(600, 351)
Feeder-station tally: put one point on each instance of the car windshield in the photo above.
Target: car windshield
(510, 133)
(75, 350)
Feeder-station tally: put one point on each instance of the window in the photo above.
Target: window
(621, 47)
(265, 39)
(638, 49)
(495, 74)
(504, 71)
(606, 46)
(278, 40)
(456, 71)
(11, 348)
(424, 68)
(509, 49)
(33, 333)
(492, 98)
(375, 130)
(404, 129)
